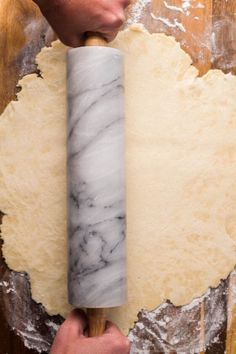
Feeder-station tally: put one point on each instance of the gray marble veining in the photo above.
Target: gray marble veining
(96, 184)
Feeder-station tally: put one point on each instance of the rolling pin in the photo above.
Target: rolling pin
(96, 180)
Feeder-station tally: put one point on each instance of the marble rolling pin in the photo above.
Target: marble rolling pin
(96, 184)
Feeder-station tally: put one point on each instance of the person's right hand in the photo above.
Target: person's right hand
(72, 19)
(71, 339)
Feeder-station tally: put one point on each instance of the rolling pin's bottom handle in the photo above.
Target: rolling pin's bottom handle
(97, 321)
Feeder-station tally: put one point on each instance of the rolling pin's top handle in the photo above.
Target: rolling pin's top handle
(95, 39)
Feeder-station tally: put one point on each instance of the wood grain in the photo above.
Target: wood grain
(23, 32)
(9, 342)
(191, 26)
(202, 339)
(231, 315)
(224, 39)
(12, 40)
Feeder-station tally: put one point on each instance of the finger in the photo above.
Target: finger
(113, 20)
(111, 328)
(118, 20)
(71, 41)
(74, 325)
(120, 342)
(79, 317)
(109, 35)
(76, 42)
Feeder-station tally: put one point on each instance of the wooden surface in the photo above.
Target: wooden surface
(193, 28)
(12, 40)
(9, 342)
(23, 32)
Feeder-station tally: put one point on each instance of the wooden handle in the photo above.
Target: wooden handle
(94, 39)
(97, 321)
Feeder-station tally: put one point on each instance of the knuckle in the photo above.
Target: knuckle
(120, 18)
(115, 20)
(70, 41)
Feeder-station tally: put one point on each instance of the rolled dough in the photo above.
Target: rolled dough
(181, 176)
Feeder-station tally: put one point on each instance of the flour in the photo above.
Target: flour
(168, 23)
(170, 329)
(26, 318)
(174, 8)
(137, 11)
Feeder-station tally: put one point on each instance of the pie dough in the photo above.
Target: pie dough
(181, 176)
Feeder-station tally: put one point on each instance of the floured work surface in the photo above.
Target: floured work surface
(180, 174)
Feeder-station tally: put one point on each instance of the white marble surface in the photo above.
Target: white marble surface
(96, 187)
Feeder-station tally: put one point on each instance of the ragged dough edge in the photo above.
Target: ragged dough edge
(33, 180)
(33, 183)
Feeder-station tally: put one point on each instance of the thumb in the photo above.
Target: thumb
(74, 325)
(112, 329)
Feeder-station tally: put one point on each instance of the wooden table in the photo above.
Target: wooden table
(207, 51)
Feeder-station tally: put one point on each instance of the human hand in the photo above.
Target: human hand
(71, 338)
(72, 19)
